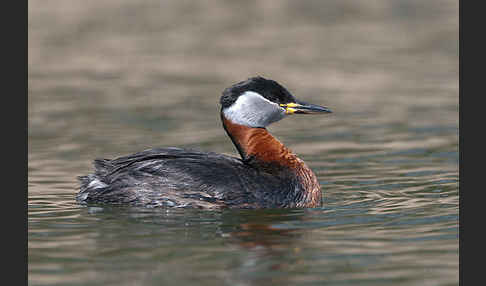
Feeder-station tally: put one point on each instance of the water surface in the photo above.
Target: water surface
(109, 78)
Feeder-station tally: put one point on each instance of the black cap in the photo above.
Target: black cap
(267, 88)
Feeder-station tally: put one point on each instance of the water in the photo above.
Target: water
(109, 78)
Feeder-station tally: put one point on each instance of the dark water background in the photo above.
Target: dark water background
(108, 78)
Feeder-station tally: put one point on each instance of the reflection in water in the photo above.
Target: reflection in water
(267, 239)
(109, 78)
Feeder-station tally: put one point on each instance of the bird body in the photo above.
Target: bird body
(268, 174)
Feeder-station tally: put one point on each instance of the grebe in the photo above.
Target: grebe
(268, 175)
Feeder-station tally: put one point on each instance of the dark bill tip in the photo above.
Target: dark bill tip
(309, 108)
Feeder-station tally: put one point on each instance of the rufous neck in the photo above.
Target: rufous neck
(258, 143)
(259, 148)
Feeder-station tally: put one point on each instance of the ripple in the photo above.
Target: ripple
(108, 78)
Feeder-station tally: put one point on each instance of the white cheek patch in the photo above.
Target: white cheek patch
(253, 110)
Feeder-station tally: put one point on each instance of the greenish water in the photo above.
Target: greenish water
(109, 78)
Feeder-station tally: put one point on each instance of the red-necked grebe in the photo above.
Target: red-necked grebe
(268, 175)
